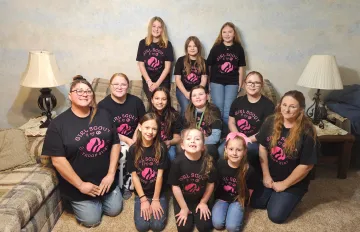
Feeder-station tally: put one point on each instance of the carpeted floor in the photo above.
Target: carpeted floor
(331, 205)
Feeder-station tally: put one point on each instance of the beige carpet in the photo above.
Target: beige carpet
(330, 205)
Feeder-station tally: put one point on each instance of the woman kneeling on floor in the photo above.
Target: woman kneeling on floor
(84, 149)
(288, 151)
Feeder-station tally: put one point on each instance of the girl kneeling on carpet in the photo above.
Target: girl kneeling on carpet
(288, 151)
(205, 116)
(170, 121)
(192, 177)
(146, 162)
(84, 148)
(235, 178)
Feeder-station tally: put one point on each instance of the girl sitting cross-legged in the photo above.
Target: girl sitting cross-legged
(235, 178)
(147, 162)
(192, 177)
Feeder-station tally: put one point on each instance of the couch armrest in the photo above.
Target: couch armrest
(35, 147)
(339, 121)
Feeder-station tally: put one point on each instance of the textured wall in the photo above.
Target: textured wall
(97, 38)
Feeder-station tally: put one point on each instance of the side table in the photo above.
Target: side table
(334, 134)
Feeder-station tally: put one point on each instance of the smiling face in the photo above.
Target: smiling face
(148, 130)
(253, 85)
(199, 98)
(235, 150)
(81, 95)
(228, 34)
(156, 29)
(193, 142)
(192, 50)
(159, 100)
(290, 108)
(119, 86)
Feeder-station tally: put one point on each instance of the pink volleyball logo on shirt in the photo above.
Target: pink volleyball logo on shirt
(243, 124)
(192, 188)
(192, 77)
(148, 174)
(278, 153)
(153, 62)
(123, 129)
(229, 188)
(227, 67)
(95, 145)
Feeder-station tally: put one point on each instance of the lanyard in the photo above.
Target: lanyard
(198, 125)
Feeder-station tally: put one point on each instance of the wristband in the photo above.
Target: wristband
(142, 196)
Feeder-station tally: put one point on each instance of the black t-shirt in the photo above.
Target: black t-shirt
(207, 128)
(188, 175)
(125, 116)
(194, 77)
(250, 116)
(148, 167)
(176, 127)
(281, 166)
(227, 189)
(86, 146)
(225, 62)
(154, 58)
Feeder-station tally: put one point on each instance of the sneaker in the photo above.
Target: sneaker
(127, 194)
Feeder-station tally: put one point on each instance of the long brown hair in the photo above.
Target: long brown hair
(302, 125)
(138, 145)
(207, 166)
(199, 62)
(211, 113)
(169, 113)
(80, 79)
(243, 191)
(219, 39)
(163, 42)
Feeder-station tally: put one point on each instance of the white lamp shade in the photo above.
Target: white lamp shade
(42, 71)
(321, 73)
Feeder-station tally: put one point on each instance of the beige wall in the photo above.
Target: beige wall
(97, 38)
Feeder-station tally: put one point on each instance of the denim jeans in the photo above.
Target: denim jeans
(172, 153)
(153, 224)
(227, 215)
(223, 96)
(89, 212)
(279, 205)
(183, 101)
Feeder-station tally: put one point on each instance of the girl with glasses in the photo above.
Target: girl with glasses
(126, 111)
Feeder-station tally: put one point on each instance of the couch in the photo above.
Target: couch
(29, 197)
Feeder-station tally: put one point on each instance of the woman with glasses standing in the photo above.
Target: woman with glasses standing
(126, 111)
(84, 149)
(248, 112)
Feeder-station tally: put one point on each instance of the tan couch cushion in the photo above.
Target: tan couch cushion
(13, 149)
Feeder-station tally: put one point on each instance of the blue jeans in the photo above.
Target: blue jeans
(153, 224)
(172, 153)
(223, 96)
(227, 215)
(279, 205)
(89, 212)
(183, 101)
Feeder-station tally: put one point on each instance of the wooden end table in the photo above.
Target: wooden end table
(334, 134)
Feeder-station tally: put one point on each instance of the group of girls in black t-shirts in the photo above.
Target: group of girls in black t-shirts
(104, 152)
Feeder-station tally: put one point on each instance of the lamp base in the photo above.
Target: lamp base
(316, 112)
(46, 103)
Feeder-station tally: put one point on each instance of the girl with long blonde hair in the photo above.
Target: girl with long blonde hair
(288, 151)
(154, 56)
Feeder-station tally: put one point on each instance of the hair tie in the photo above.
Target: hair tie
(232, 135)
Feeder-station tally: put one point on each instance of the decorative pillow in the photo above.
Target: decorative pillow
(13, 149)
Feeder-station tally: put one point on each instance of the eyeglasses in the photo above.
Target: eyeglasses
(81, 92)
(117, 85)
(256, 84)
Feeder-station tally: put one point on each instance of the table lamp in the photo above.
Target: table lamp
(321, 72)
(42, 72)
